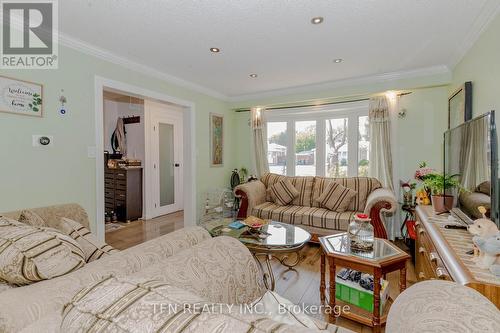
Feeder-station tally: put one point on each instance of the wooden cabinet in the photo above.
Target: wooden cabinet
(442, 254)
(123, 193)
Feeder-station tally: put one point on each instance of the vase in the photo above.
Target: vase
(442, 203)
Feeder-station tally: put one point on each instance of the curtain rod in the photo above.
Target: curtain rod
(312, 105)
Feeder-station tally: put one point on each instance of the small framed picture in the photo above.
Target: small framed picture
(216, 139)
(21, 97)
(460, 105)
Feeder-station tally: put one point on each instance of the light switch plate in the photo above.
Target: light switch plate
(36, 140)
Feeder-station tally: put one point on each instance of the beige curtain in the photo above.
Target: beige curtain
(259, 144)
(474, 154)
(380, 141)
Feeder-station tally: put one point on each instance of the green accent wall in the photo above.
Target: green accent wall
(32, 177)
(481, 65)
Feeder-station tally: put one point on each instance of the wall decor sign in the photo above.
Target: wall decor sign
(21, 97)
(460, 105)
(216, 139)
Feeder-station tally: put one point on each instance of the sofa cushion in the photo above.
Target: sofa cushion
(145, 305)
(31, 254)
(283, 192)
(303, 184)
(287, 214)
(362, 185)
(91, 246)
(336, 197)
(31, 218)
(327, 219)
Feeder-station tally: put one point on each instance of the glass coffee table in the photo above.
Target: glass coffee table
(282, 239)
(384, 258)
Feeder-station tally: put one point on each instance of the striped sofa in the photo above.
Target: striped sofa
(371, 198)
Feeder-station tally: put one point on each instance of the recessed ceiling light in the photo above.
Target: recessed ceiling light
(253, 76)
(338, 61)
(317, 20)
(214, 49)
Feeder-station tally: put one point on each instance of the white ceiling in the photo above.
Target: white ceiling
(275, 39)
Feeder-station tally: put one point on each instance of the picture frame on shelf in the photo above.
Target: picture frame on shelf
(460, 105)
(216, 140)
(21, 97)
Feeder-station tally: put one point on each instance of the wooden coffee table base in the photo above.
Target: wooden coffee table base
(377, 269)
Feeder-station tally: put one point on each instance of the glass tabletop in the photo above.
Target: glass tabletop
(279, 235)
(381, 248)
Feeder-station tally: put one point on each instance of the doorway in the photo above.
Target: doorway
(169, 153)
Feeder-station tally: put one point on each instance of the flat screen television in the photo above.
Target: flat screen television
(471, 152)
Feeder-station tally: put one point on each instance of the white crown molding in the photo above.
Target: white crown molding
(378, 78)
(106, 55)
(489, 11)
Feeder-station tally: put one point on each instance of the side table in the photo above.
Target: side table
(384, 258)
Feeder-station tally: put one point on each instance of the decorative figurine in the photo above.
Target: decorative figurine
(483, 228)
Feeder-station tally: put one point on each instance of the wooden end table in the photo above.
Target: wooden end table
(385, 258)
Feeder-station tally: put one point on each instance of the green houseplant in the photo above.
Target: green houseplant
(438, 184)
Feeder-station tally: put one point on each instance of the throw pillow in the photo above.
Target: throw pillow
(31, 254)
(91, 246)
(336, 197)
(31, 218)
(283, 192)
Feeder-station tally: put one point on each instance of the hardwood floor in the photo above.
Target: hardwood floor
(136, 232)
(300, 286)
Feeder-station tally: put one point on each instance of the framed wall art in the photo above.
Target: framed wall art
(460, 105)
(216, 139)
(21, 97)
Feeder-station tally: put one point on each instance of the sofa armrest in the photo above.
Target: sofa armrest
(380, 202)
(442, 306)
(251, 194)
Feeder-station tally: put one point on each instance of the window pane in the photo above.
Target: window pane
(336, 147)
(363, 146)
(276, 147)
(305, 148)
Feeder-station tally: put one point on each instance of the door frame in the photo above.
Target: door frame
(152, 186)
(189, 137)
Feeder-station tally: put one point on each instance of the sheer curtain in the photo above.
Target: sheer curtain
(380, 141)
(474, 154)
(382, 116)
(259, 142)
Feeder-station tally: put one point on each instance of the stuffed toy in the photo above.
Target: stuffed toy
(490, 246)
(483, 228)
(422, 197)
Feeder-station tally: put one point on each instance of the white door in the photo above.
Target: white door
(166, 164)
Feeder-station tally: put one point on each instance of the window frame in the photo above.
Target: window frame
(350, 110)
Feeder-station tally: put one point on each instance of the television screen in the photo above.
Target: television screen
(471, 153)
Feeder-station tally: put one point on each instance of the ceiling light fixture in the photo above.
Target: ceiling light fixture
(338, 61)
(253, 76)
(214, 49)
(317, 20)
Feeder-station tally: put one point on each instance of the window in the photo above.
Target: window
(336, 147)
(332, 142)
(305, 148)
(277, 141)
(363, 146)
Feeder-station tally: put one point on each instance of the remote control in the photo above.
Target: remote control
(455, 226)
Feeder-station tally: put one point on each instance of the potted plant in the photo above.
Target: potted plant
(438, 184)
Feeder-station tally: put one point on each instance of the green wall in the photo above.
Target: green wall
(63, 173)
(481, 65)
